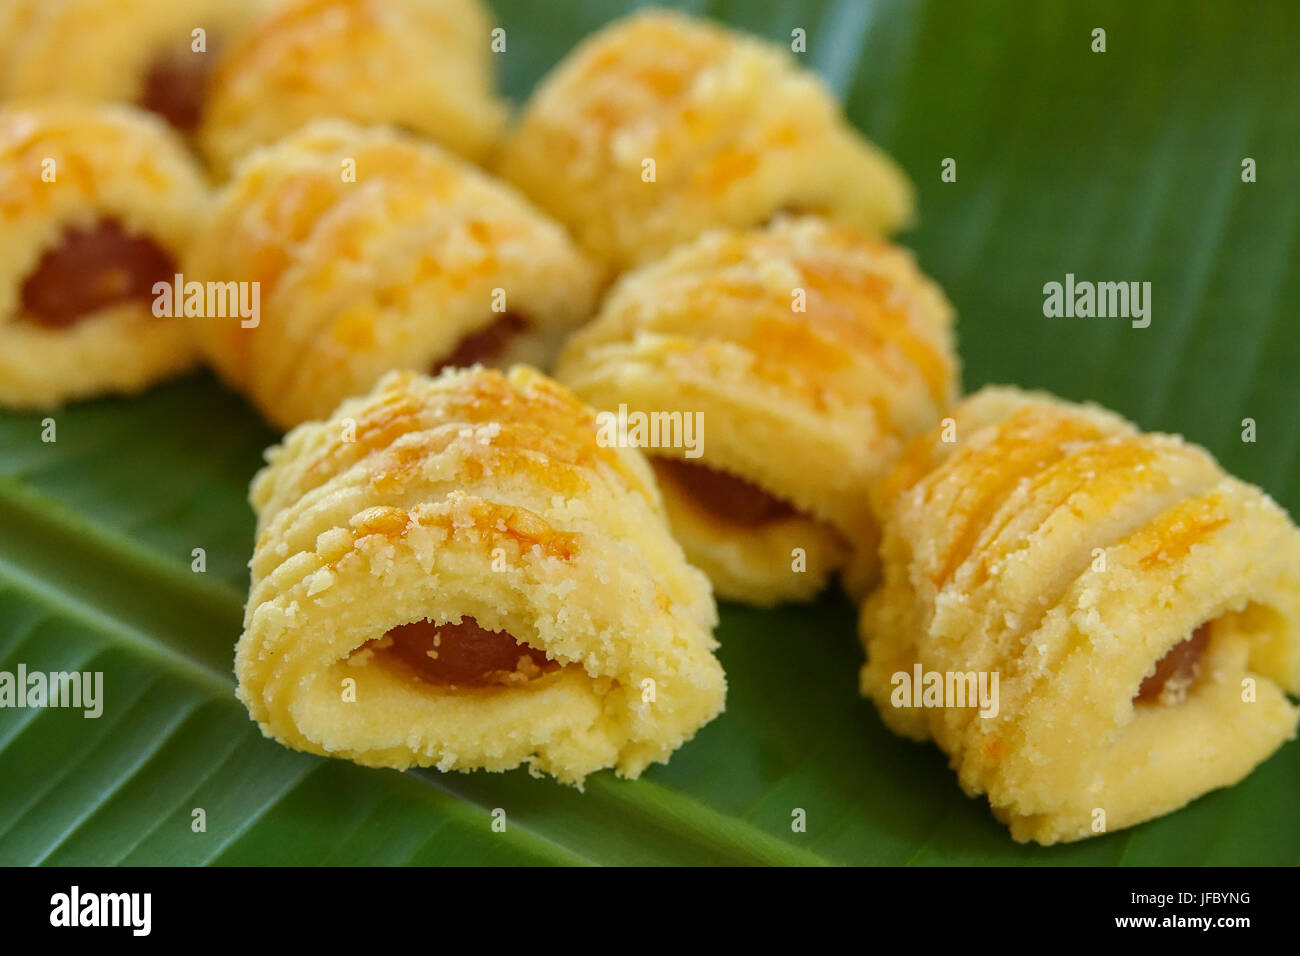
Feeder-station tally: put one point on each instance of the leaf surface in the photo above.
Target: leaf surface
(1123, 165)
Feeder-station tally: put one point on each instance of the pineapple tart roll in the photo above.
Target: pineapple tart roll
(451, 572)
(661, 126)
(372, 250)
(421, 65)
(1139, 608)
(157, 54)
(97, 205)
(807, 353)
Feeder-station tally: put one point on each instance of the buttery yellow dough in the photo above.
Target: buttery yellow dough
(479, 495)
(736, 132)
(108, 163)
(393, 270)
(1059, 547)
(104, 49)
(811, 406)
(423, 65)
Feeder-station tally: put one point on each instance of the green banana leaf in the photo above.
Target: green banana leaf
(1122, 165)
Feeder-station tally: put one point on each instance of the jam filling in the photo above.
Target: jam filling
(464, 654)
(486, 346)
(792, 212)
(1181, 666)
(176, 86)
(92, 269)
(725, 496)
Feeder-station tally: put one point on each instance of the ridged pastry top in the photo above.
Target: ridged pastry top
(520, 436)
(1006, 440)
(1025, 466)
(812, 351)
(507, 454)
(391, 270)
(736, 131)
(424, 65)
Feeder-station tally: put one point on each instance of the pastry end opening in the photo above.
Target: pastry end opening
(461, 654)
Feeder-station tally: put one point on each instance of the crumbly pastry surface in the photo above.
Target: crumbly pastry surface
(422, 65)
(1128, 593)
(808, 406)
(75, 175)
(736, 129)
(133, 51)
(474, 496)
(401, 268)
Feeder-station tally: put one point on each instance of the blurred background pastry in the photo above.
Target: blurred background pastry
(157, 54)
(421, 65)
(730, 129)
(374, 250)
(98, 203)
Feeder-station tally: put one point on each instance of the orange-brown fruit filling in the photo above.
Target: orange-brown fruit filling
(176, 87)
(486, 345)
(465, 654)
(1182, 664)
(725, 496)
(795, 211)
(91, 269)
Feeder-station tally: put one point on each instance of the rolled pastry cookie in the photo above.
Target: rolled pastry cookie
(799, 356)
(372, 250)
(661, 126)
(422, 65)
(157, 54)
(451, 572)
(1139, 608)
(97, 204)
